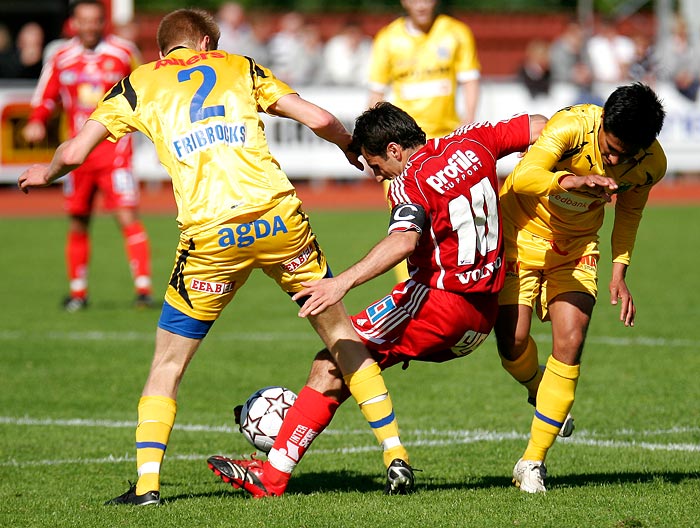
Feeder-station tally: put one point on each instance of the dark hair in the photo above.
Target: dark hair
(75, 3)
(384, 124)
(187, 26)
(634, 115)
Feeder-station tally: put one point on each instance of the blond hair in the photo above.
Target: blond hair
(187, 27)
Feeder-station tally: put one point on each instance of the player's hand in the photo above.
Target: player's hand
(34, 176)
(600, 186)
(321, 294)
(619, 293)
(354, 160)
(34, 132)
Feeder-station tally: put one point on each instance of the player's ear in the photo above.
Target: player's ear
(205, 43)
(394, 150)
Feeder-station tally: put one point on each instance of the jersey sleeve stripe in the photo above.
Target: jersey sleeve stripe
(129, 92)
(123, 87)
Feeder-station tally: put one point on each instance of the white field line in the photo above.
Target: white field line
(82, 422)
(18, 335)
(424, 438)
(99, 335)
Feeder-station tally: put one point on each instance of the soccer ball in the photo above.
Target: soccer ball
(260, 417)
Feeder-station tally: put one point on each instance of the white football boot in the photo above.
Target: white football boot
(529, 475)
(568, 427)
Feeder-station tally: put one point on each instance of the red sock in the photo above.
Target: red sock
(138, 253)
(77, 255)
(304, 421)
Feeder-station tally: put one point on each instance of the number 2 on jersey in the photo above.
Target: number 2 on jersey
(198, 111)
(476, 223)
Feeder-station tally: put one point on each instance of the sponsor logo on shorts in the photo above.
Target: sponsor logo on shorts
(215, 288)
(469, 342)
(587, 262)
(296, 262)
(459, 166)
(243, 235)
(481, 273)
(380, 309)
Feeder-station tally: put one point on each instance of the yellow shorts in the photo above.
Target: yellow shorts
(211, 266)
(537, 269)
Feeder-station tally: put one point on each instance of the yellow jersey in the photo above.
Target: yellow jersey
(533, 200)
(200, 109)
(423, 70)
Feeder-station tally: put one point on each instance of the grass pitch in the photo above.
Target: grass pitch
(69, 385)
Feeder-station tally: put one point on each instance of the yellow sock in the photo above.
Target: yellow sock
(554, 400)
(526, 368)
(156, 419)
(368, 388)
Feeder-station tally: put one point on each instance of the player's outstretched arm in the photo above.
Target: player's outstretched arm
(69, 155)
(592, 183)
(537, 124)
(383, 257)
(324, 124)
(620, 292)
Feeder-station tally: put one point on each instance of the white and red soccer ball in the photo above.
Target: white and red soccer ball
(262, 414)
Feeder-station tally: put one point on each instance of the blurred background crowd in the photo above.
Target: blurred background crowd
(311, 48)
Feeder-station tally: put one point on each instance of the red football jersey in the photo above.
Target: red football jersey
(453, 179)
(78, 78)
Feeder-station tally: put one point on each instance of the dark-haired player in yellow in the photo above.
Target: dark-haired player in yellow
(552, 246)
(237, 211)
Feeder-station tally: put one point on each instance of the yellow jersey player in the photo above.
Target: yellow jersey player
(551, 230)
(237, 211)
(424, 61)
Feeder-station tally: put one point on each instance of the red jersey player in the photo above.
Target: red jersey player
(446, 222)
(77, 75)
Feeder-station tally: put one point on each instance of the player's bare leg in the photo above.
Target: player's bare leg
(570, 315)
(363, 377)
(156, 414)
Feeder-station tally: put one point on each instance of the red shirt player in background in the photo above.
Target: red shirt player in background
(446, 222)
(77, 75)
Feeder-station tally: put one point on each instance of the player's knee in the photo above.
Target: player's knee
(511, 345)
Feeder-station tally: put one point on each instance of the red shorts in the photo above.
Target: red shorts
(419, 323)
(115, 181)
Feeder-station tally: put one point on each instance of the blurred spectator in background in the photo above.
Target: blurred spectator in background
(683, 62)
(77, 76)
(569, 63)
(566, 52)
(237, 35)
(534, 73)
(610, 53)
(346, 56)
(310, 64)
(6, 52)
(295, 50)
(644, 64)
(24, 60)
